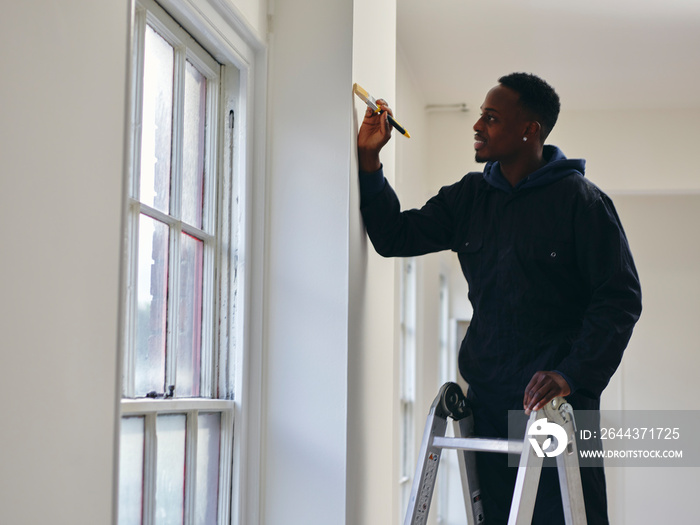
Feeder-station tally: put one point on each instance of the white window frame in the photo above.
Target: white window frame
(222, 30)
(150, 410)
(185, 49)
(447, 356)
(407, 379)
(446, 368)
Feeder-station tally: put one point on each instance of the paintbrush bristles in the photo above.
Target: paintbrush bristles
(365, 96)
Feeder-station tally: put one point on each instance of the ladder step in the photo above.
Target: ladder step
(503, 446)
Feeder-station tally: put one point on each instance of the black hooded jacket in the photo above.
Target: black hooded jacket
(550, 273)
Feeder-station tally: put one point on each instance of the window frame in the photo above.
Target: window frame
(185, 48)
(447, 359)
(150, 410)
(231, 40)
(407, 378)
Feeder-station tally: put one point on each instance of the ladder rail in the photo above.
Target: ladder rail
(526, 483)
(570, 474)
(426, 469)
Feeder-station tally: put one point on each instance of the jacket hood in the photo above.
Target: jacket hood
(557, 167)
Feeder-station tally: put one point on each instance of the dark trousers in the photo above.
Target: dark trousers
(497, 481)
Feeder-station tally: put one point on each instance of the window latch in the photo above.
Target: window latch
(162, 395)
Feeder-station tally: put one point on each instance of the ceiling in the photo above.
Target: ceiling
(597, 54)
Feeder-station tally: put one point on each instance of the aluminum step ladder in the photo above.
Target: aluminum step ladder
(556, 420)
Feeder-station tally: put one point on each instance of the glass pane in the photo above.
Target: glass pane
(157, 121)
(170, 478)
(206, 497)
(152, 295)
(193, 153)
(189, 342)
(131, 470)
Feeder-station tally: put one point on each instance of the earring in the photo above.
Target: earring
(524, 139)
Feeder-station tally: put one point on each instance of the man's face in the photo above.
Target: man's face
(500, 130)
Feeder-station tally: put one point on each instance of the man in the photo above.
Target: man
(551, 277)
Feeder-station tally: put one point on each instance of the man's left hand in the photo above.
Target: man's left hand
(542, 388)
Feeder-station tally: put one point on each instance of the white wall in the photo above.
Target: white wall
(306, 310)
(647, 150)
(659, 368)
(62, 142)
(372, 357)
(253, 14)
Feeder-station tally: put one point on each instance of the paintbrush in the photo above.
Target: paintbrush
(372, 104)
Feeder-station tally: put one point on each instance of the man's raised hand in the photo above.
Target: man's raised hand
(374, 133)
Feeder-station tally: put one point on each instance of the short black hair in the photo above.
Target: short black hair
(536, 96)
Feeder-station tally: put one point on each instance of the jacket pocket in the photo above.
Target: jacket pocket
(470, 254)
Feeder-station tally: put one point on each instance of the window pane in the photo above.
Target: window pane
(193, 154)
(152, 295)
(170, 480)
(189, 342)
(206, 497)
(131, 471)
(157, 121)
